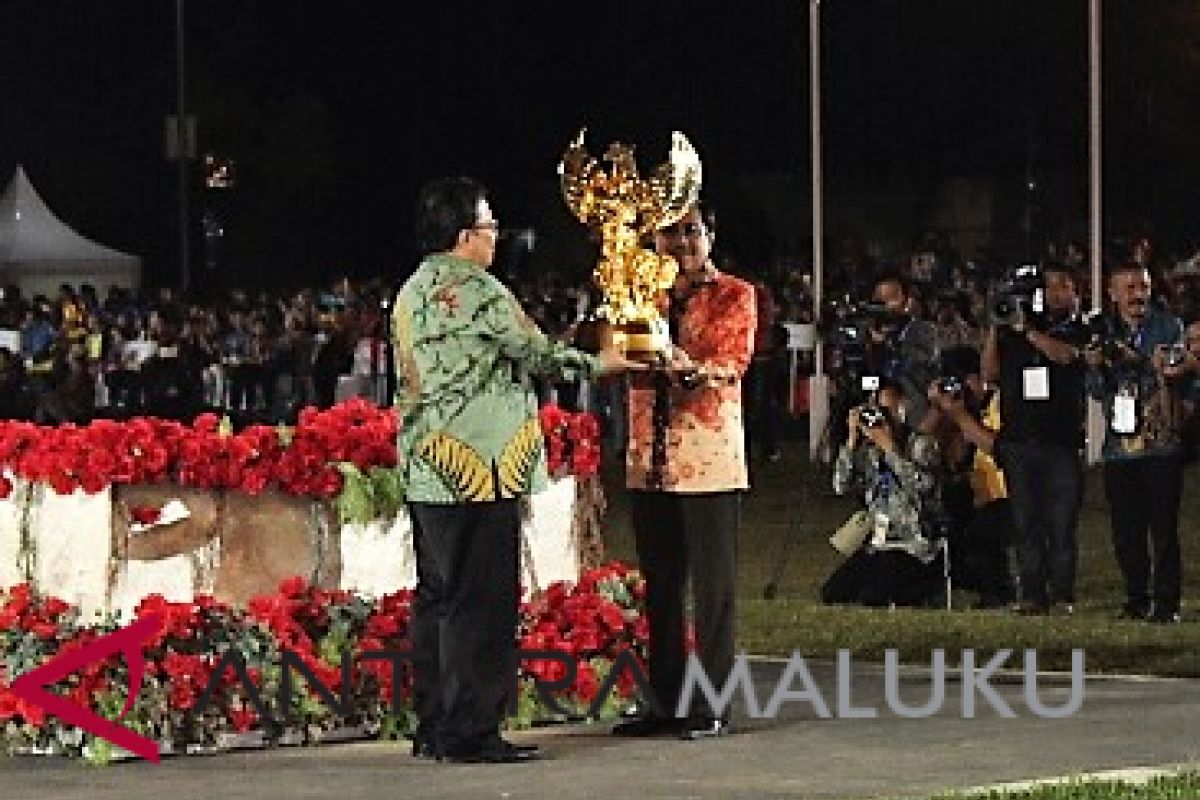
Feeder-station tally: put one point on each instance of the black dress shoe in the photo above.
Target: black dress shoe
(423, 747)
(706, 729)
(1031, 609)
(1062, 609)
(1165, 616)
(496, 751)
(649, 726)
(1133, 612)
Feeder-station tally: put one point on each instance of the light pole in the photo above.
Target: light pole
(818, 395)
(1095, 416)
(1095, 93)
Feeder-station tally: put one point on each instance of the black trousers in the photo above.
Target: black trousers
(1143, 497)
(464, 619)
(1044, 489)
(763, 390)
(682, 536)
(985, 553)
(878, 579)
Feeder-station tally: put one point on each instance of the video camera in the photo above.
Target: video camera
(1019, 297)
(847, 326)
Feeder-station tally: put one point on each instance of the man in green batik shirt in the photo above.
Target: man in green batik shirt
(470, 445)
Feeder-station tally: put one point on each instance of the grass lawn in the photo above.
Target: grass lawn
(788, 517)
(1179, 787)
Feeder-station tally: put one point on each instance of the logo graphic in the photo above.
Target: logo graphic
(31, 686)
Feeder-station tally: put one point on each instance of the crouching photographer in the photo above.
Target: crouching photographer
(1032, 352)
(892, 541)
(974, 498)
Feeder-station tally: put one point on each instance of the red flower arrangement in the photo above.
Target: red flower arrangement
(594, 621)
(302, 461)
(144, 450)
(572, 441)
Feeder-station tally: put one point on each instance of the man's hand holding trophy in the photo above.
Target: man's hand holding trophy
(625, 209)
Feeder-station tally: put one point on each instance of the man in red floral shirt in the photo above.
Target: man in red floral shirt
(686, 469)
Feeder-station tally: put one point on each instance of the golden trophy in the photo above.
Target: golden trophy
(625, 209)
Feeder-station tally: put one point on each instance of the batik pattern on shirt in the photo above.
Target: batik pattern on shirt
(705, 443)
(465, 356)
(900, 489)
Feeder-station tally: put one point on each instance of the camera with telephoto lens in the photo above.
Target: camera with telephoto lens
(1114, 345)
(846, 325)
(950, 385)
(1018, 297)
(847, 321)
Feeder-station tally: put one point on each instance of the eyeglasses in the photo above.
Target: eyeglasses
(683, 229)
(487, 225)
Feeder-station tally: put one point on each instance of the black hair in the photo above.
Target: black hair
(1061, 269)
(708, 215)
(1126, 266)
(446, 206)
(960, 361)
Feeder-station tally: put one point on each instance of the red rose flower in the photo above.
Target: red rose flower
(8, 704)
(145, 515)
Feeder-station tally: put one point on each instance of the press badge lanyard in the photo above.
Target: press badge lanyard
(1125, 406)
(1035, 381)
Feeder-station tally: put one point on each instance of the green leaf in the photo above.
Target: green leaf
(356, 503)
(388, 486)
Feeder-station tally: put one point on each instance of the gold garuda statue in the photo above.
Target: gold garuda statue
(625, 209)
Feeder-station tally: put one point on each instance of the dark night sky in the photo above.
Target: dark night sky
(336, 111)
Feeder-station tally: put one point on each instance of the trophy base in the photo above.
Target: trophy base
(640, 341)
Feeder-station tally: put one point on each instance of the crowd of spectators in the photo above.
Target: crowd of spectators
(262, 357)
(947, 288)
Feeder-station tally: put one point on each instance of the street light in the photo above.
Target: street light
(818, 396)
(1095, 416)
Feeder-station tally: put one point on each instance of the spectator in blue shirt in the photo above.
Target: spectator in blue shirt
(37, 335)
(1140, 377)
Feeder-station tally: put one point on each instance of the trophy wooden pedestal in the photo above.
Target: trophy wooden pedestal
(642, 340)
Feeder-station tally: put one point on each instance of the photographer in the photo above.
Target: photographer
(1190, 433)
(974, 498)
(1032, 352)
(897, 470)
(879, 338)
(1139, 372)
(902, 348)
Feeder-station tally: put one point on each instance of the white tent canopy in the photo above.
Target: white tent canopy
(39, 252)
